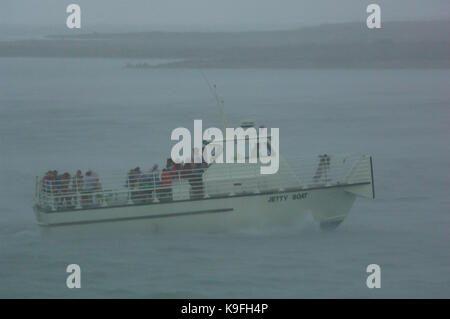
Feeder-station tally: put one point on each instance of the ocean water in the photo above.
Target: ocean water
(67, 114)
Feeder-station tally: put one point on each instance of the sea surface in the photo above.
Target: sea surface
(95, 114)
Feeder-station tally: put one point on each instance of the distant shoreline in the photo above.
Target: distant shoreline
(422, 44)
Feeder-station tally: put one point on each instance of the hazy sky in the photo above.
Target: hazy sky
(215, 14)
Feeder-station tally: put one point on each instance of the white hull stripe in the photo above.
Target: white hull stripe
(199, 212)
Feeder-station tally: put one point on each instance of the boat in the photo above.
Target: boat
(220, 196)
(216, 196)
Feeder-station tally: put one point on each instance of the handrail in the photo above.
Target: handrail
(128, 189)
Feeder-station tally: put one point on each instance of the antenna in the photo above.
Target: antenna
(219, 102)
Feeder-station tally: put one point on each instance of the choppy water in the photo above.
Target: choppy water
(68, 114)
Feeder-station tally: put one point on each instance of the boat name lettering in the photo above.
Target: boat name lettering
(284, 197)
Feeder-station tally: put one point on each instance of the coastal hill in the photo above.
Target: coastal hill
(418, 44)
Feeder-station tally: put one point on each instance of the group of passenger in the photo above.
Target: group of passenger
(143, 186)
(190, 171)
(66, 188)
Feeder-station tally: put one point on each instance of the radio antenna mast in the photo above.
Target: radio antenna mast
(219, 102)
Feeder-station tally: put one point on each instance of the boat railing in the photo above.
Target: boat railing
(222, 180)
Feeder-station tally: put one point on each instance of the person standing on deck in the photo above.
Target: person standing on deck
(166, 180)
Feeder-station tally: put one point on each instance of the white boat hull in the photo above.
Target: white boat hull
(328, 206)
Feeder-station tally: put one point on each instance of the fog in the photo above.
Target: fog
(214, 14)
(106, 98)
